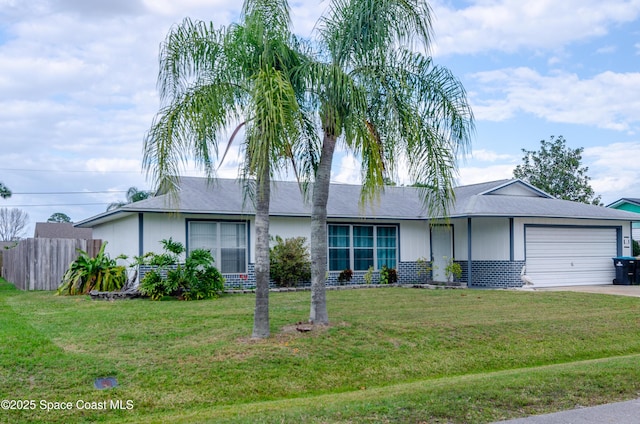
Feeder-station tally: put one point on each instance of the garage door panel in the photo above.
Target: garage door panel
(570, 256)
(576, 251)
(570, 264)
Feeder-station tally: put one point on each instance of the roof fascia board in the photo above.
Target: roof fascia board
(622, 201)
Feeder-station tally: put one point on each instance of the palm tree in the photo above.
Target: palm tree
(246, 75)
(388, 104)
(5, 193)
(133, 195)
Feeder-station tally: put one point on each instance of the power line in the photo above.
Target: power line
(68, 171)
(54, 204)
(73, 192)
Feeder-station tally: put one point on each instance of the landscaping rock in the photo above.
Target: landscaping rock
(119, 295)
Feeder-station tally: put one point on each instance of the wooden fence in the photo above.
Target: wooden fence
(40, 263)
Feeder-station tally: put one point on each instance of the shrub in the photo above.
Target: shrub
(345, 276)
(368, 276)
(86, 273)
(388, 275)
(197, 278)
(424, 269)
(289, 262)
(636, 248)
(453, 270)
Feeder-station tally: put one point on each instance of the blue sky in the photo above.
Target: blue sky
(77, 90)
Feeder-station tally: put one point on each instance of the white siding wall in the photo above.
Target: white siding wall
(414, 241)
(158, 226)
(290, 227)
(515, 190)
(460, 247)
(490, 239)
(121, 236)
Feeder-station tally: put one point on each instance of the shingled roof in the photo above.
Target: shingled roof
(63, 230)
(504, 198)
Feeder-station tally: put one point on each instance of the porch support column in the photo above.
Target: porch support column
(469, 273)
(140, 234)
(511, 241)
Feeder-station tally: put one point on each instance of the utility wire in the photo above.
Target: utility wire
(54, 204)
(73, 192)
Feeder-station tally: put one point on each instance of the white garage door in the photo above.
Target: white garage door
(560, 256)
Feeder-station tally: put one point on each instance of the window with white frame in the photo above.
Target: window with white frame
(227, 242)
(359, 247)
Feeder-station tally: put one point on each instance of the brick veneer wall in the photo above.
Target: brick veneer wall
(407, 274)
(486, 274)
(493, 274)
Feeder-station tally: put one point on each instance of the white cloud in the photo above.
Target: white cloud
(473, 175)
(614, 169)
(608, 100)
(508, 25)
(348, 169)
(484, 155)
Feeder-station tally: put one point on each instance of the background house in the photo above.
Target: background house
(61, 230)
(493, 230)
(630, 205)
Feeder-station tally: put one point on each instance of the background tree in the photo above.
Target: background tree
(244, 74)
(59, 217)
(388, 104)
(12, 224)
(557, 170)
(5, 193)
(133, 195)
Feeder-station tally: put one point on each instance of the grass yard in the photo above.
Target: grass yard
(390, 355)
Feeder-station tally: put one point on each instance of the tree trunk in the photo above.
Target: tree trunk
(261, 315)
(318, 252)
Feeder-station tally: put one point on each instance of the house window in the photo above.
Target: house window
(227, 242)
(359, 247)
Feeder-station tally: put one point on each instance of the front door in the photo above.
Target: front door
(441, 250)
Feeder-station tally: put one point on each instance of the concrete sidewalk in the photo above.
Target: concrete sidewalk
(600, 289)
(614, 413)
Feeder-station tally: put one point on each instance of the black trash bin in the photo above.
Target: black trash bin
(625, 270)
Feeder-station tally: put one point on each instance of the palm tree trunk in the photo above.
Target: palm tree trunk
(261, 315)
(319, 253)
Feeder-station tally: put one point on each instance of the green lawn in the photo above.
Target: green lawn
(391, 355)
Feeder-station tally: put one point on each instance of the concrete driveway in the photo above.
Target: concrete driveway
(600, 289)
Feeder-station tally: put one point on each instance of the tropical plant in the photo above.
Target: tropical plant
(290, 263)
(453, 270)
(133, 195)
(368, 276)
(424, 269)
(388, 104)
(5, 193)
(86, 274)
(194, 279)
(388, 275)
(345, 276)
(247, 74)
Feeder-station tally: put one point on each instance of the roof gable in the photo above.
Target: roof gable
(626, 204)
(517, 188)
